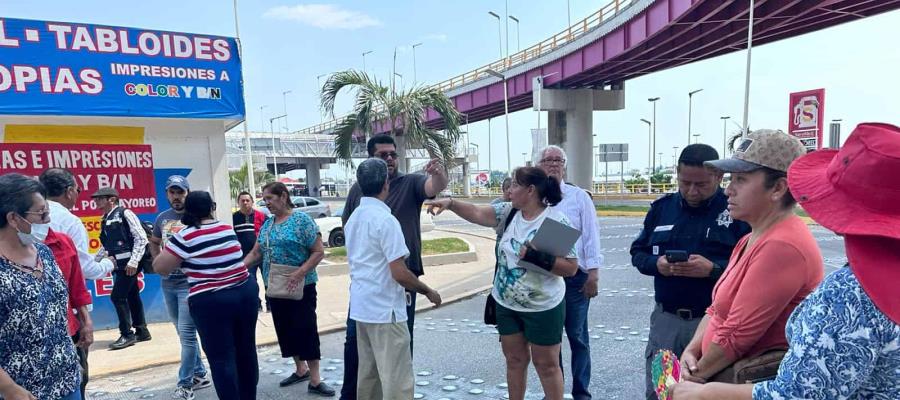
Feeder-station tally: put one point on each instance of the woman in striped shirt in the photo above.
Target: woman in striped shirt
(221, 297)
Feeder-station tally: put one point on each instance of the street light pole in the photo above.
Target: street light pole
(499, 31)
(747, 71)
(569, 11)
(696, 138)
(490, 165)
(414, 62)
(518, 38)
(262, 119)
(649, 152)
(274, 156)
(505, 116)
(477, 156)
(284, 99)
(251, 180)
(364, 59)
(674, 155)
(690, 104)
(724, 134)
(653, 100)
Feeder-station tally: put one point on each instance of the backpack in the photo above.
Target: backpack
(145, 265)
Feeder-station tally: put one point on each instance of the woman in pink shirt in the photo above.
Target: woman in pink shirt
(771, 270)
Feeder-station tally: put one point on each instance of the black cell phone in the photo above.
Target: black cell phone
(675, 256)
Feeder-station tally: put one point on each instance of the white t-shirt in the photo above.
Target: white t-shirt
(518, 288)
(374, 239)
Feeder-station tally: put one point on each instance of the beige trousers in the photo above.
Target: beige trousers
(385, 361)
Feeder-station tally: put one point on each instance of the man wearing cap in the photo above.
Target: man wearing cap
(123, 238)
(191, 374)
(694, 220)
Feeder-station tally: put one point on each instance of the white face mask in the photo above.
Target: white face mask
(38, 233)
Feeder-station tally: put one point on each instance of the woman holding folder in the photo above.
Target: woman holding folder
(530, 299)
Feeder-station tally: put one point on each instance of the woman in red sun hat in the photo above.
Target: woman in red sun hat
(845, 337)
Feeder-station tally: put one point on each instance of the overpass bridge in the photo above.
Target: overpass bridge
(584, 68)
(314, 152)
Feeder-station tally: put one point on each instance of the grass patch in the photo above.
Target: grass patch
(429, 247)
(622, 208)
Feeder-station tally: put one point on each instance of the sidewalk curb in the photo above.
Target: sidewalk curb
(424, 306)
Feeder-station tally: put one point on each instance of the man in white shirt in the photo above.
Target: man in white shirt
(377, 252)
(62, 193)
(578, 207)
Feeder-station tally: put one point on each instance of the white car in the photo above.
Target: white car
(333, 231)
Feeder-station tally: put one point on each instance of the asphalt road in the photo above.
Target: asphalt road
(457, 357)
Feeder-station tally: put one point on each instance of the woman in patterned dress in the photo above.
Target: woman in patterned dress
(292, 238)
(845, 337)
(37, 357)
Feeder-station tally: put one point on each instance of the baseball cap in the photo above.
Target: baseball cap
(762, 148)
(105, 192)
(179, 182)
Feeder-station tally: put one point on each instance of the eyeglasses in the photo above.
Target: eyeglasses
(553, 161)
(384, 156)
(44, 214)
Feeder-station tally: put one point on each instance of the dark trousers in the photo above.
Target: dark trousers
(82, 360)
(126, 298)
(226, 322)
(577, 331)
(351, 353)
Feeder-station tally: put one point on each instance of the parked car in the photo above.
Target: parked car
(332, 229)
(315, 208)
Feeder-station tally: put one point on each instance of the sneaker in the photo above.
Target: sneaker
(123, 342)
(294, 378)
(322, 390)
(183, 393)
(201, 381)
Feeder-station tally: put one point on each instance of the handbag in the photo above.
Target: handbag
(490, 305)
(279, 276)
(752, 369)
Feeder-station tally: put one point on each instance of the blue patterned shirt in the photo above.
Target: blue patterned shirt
(288, 243)
(841, 347)
(35, 348)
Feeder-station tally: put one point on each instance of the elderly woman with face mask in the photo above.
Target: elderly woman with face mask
(37, 356)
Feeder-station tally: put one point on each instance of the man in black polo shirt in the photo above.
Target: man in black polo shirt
(406, 194)
(695, 220)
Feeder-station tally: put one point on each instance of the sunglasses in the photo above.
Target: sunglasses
(386, 155)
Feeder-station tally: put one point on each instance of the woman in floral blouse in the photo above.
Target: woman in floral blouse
(37, 356)
(292, 238)
(845, 337)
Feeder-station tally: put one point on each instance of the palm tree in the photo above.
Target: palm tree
(237, 180)
(405, 111)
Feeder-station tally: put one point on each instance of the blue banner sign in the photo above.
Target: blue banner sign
(59, 68)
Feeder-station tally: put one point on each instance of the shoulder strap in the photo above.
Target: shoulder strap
(509, 218)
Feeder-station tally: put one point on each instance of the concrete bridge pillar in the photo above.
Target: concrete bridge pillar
(467, 187)
(313, 180)
(570, 124)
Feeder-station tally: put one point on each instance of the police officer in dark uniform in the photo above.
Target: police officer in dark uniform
(125, 241)
(695, 221)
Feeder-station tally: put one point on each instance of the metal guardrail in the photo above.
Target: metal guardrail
(556, 41)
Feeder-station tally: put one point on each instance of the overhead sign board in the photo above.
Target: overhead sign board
(60, 68)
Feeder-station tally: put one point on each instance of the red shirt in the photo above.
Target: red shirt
(760, 289)
(67, 258)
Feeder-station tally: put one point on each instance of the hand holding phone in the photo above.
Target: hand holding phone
(676, 256)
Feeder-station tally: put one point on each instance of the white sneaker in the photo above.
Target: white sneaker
(201, 381)
(183, 393)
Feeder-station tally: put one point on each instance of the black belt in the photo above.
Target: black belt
(683, 313)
